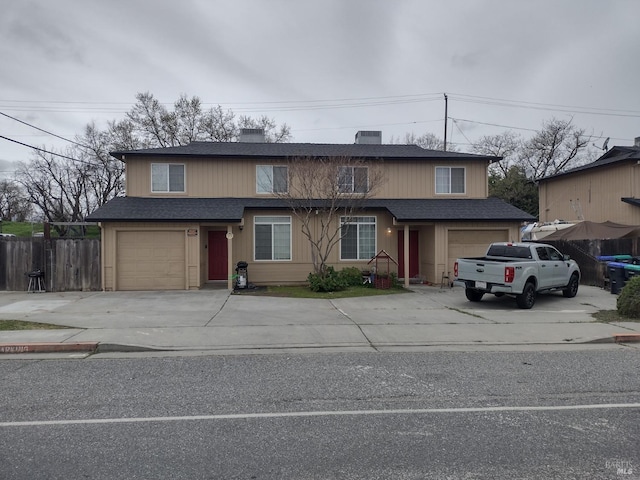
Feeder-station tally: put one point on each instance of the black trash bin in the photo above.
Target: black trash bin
(242, 280)
(616, 276)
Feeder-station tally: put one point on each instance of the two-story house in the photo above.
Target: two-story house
(607, 189)
(192, 212)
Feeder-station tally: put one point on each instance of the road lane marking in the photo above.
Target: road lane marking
(337, 413)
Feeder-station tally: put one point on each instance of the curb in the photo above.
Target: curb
(43, 347)
(626, 337)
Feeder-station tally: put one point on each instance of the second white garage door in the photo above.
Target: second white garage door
(151, 260)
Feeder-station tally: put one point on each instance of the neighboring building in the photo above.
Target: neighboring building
(605, 190)
(192, 212)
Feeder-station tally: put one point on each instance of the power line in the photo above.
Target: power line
(43, 150)
(547, 106)
(42, 130)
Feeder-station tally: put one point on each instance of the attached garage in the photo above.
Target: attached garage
(471, 243)
(150, 260)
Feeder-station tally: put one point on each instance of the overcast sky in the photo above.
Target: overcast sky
(327, 68)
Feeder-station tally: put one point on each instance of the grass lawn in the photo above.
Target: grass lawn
(20, 325)
(612, 316)
(301, 291)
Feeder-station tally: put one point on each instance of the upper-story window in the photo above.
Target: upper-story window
(272, 179)
(450, 179)
(353, 179)
(167, 177)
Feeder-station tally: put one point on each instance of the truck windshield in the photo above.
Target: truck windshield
(512, 251)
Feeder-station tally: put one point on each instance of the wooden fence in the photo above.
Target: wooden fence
(586, 253)
(68, 264)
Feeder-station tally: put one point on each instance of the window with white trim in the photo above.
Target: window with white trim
(272, 179)
(167, 177)
(358, 240)
(450, 180)
(353, 179)
(272, 238)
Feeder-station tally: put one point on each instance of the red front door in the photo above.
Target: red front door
(217, 246)
(414, 260)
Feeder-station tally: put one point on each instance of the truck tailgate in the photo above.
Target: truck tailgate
(481, 270)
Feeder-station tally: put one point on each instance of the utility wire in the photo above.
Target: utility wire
(42, 130)
(45, 151)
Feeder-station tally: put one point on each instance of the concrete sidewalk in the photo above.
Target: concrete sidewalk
(217, 321)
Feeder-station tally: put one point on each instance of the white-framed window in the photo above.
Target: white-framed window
(358, 240)
(272, 238)
(450, 180)
(272, 179)
(167, 177)
(353, 179)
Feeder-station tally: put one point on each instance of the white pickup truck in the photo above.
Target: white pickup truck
(519, 269)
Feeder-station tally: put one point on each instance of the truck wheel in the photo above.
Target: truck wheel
(528, 296)
(473, 295)
(571, 289)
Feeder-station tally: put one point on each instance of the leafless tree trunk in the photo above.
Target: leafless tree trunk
(324, 191)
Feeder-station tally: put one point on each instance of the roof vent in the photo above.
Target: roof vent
(369, 137)
(636, 142)
(252, 135)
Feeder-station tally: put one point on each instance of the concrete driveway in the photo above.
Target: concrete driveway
(217, 321)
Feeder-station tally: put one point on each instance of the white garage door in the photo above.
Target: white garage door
(151, 260)
(472, 243)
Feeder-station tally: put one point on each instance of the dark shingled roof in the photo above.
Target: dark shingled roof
(231, 210)
(615, 155)
(292, 150)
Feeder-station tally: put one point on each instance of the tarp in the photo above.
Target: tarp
(595, 231)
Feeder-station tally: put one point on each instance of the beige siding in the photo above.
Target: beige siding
(237, 178)
(298, 268)
(592, 195)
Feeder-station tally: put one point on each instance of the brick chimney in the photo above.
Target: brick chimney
(372, 137)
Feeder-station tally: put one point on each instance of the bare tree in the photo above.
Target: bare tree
(553, 149)
(14, 203)
(104, 174)
(325, 194)
(506, 145)
(428, 141)
(57, 186)
(157, 126)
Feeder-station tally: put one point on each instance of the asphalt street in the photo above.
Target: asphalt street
(438, 415)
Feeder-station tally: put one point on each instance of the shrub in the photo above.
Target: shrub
(352, 276)
(331, 282)
(629, 299)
